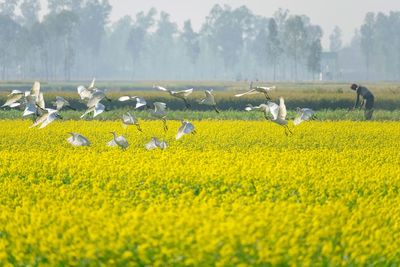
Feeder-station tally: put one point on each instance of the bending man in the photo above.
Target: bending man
(368, 100)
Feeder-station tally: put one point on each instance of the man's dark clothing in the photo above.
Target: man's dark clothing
(368, 98)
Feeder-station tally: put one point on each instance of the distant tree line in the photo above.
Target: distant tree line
(75, 40)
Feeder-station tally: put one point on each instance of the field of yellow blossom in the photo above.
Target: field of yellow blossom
(235, 194)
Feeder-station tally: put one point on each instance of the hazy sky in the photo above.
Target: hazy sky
(347, 14)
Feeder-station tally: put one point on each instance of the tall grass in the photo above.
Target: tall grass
(312, 95)
(323, 115)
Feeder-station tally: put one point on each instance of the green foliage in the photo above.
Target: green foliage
(330, 100)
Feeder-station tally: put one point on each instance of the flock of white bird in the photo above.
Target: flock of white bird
(34, 104)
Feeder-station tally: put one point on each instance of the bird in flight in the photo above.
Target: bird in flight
(303, 114)
(186, 128)
(13, 99)
(258, 89)
(209, 100)
(49, 115)
(160, 113)
(129, 119)
(279, 114)
(61, 103)
(140, 101)
(155, 143)
(263, 107)
(182, 94)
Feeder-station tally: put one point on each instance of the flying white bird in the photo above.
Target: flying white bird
(209, 100)
(30, 105)
(61, 103)
(34, 101)
(118, 141)
(155, 143)
(16, 92)
(129, 119)
(35, 91)
(140, 101)
(97, 110)
(40, 101)
(258, 89)
(279, 114)
(263, 107)
(78, 140)
(86, 93)
(186, 128)
(49, 115)
(160, 112)
(182, 94)
(303, 114)
(96, 97)
(13, 99)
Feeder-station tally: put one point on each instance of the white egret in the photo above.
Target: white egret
(96, 97)
(78, 140)
(155, 143)
(258, 89)
(34, 101)
(263, 107)
(129, 119)
(186, 128)
(16, 92)
(61, 103)
(160, 112)
(48, 117)
(40, 101)
(279, 114)
(209, 100)
(30, 105)
(182, 94)
(140, 101)
(118, 141)
(86, 93)
(97, 110)
(303, 114)
(13, 99)
(36, 89)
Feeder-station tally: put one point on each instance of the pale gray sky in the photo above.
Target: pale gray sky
(347, 14)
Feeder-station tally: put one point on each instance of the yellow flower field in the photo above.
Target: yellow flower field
(235, 194)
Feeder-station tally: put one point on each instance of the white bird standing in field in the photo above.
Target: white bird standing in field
(186, 128)
(140, 101)
(49, 115)
(263, 107)
(129, 119)
(155, 143)
(78, 140)
(303, 114)
(118, 141)
(97, 110)
(279, 114)
(258, 89)
(13, 99)
(209, 100)
(61, 103)
(182, 94)
(86, 93)
(160, 112)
